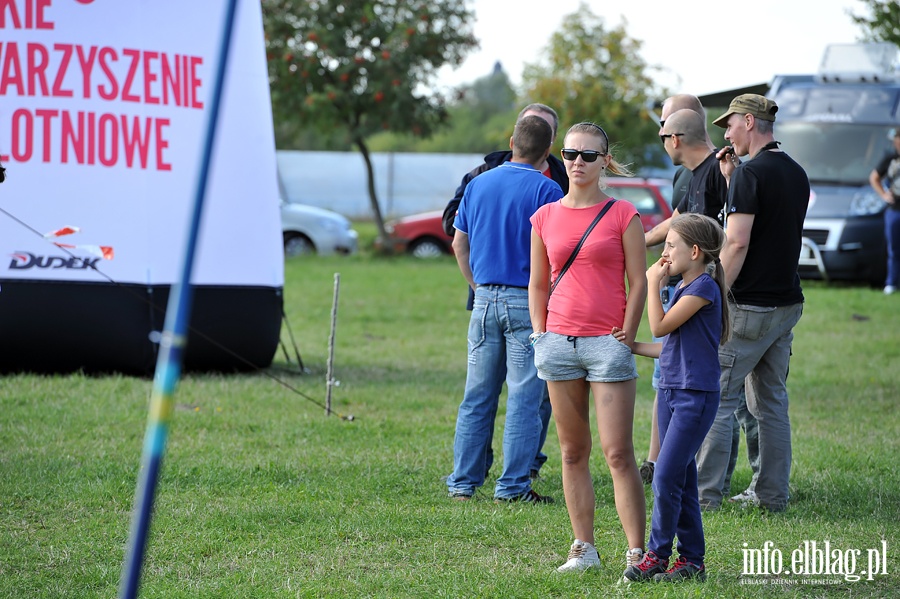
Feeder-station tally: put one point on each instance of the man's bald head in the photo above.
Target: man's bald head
(682, 102)
(688, 123)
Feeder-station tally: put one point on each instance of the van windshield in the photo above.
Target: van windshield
(835, 152)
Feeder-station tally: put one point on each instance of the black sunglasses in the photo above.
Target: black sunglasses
(664, 136)
(586, 155)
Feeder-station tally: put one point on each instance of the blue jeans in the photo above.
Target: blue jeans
(684, 419)
(892, 235)
(498, 351)
(758, 355)
(546, 411)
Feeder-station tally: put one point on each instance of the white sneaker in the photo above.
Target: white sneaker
(633, 556)
(582, 556)
(746, 498)
(889, 289)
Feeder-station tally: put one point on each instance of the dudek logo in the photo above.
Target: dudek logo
(812, 563)
(26, 260)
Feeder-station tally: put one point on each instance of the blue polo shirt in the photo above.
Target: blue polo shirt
(495, 212)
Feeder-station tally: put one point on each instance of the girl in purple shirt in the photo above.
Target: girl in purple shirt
(692, 329)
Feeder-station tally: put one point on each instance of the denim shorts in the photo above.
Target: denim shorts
(600, 359)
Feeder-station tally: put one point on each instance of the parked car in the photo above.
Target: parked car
(308, 230)
(423, 236)
(652, 197)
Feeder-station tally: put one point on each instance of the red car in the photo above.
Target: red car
(423, 236)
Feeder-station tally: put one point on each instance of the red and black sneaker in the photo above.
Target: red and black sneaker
(682, 570)
(649, 566)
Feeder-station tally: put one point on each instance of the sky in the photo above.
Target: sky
(703, 46)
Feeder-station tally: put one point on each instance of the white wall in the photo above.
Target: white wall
(406, 183)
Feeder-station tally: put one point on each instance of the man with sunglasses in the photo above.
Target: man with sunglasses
(686, 142)
(656, 236)
(551, 167)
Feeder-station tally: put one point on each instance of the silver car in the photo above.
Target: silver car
(308, 230)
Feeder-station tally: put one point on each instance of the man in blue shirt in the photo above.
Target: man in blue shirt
(492, 244)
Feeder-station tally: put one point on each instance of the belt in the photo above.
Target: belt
(500, 285)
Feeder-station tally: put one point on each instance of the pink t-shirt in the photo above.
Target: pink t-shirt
(590, 299)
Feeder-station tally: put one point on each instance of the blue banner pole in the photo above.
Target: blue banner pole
(172, 345)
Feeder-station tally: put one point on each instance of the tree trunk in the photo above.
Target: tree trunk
(373, 196)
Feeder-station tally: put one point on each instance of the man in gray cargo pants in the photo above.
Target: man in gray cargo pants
(767, 201)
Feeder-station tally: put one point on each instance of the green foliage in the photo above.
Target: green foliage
(361, 65)
(481, 120)
(882, 24)
(594, 73)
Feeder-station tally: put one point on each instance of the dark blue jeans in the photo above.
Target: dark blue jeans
(685, 417)
(892, 234)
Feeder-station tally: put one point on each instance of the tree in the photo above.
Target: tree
(592, 73)
(883, 23)
(362, 66)
(479, 119)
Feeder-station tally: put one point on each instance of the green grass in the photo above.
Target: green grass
(262, 495)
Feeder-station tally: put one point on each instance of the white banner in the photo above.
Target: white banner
(103, 108)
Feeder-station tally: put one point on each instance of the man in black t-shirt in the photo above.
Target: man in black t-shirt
(767, 201)
(687, 144)
(656, 236)
(888, 170)
(703, 190)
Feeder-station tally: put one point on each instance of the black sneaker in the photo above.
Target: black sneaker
(649, 566)
(682, 570)
(647, 469)
(527, 497)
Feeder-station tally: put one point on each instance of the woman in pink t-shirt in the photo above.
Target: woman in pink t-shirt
(574, 350)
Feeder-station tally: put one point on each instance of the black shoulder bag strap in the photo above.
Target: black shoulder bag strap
(571, 259)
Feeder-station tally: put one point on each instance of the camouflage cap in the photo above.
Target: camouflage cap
(759, 106)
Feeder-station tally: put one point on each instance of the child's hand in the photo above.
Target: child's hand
(658, 273)
(618, 334)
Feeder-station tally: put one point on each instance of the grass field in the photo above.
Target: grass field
(263, 495)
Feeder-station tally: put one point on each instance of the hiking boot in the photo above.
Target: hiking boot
(633, 556)
(647, 469)
(527, 497)
(682, 570)
(582, 556)
(649, 566)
